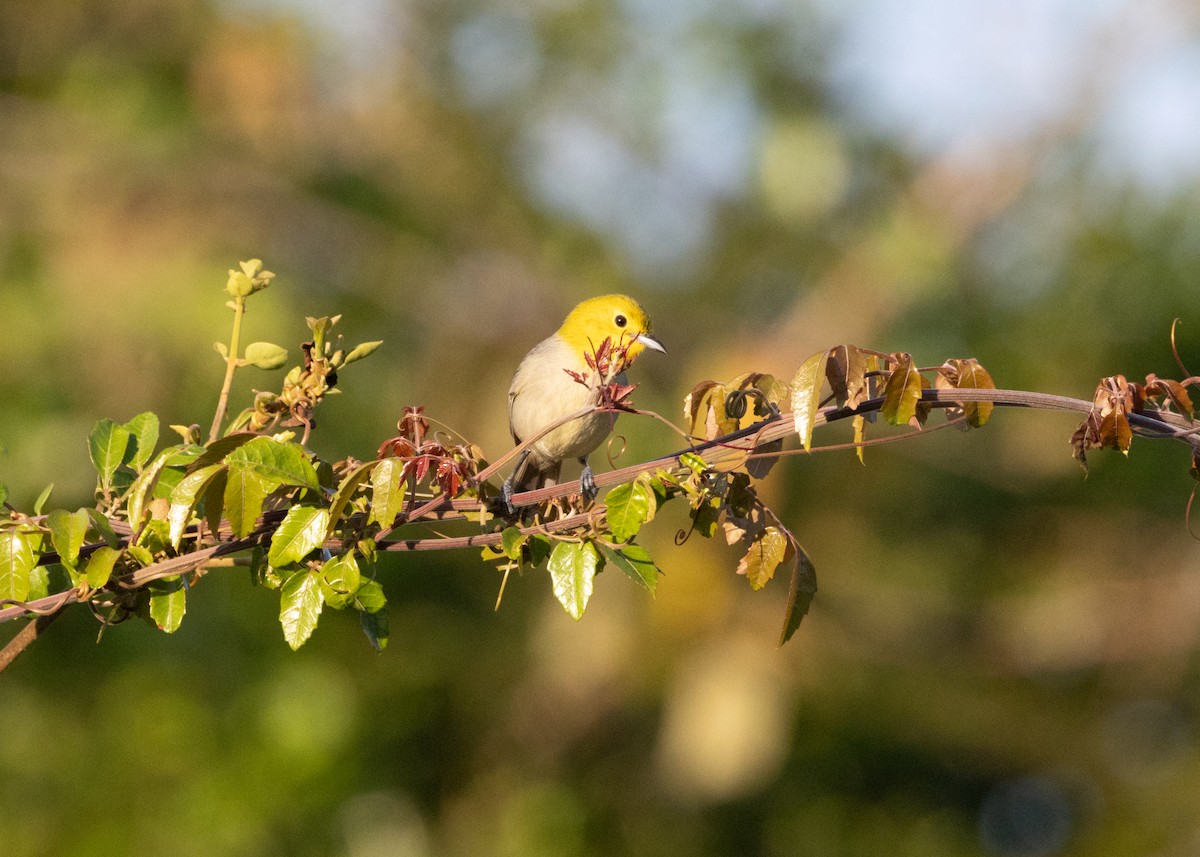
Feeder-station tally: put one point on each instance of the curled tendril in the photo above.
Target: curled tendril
(682, 536)
(736, 405)
(617, 440)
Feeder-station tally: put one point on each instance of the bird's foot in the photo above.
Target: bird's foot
(587, 484)
(506, 495)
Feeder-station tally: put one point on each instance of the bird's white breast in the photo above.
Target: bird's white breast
(542, 392)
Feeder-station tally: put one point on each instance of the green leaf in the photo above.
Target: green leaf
(629, 506)
(265, 355)
(363, 349)
(245, 493)
(320, 328)
(42, 499)
(902, 392)
(693, 462)
(370, 598)
(345, 492)
(103, 526)
(539, 549)
(387, 491)
(39, 583)
(185, 497)
(635, 561)
(67, 531)
(806, 396)
(221, 447)
(275, 462)
(239, 285)
(765, 554)
(140, 555)
(100, 565)
(511, 542)
(375, 626)
(800, 594)
(341, 578)
(108, 444)
(300, 602)
(300, 533)
(144, 430)
(168, 603)
(573, 567)
(705, 517)
(17, 561)
(214, 500)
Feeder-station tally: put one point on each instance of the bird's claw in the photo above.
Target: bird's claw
(587, 484)
(506, 495)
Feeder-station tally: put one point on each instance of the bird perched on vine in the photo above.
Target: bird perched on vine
(561, 375)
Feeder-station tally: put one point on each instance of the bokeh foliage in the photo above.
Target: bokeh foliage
(1002, 658)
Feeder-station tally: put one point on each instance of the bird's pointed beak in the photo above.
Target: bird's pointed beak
(650, 342)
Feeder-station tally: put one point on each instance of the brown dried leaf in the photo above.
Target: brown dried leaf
(846, 373)
(967, 374)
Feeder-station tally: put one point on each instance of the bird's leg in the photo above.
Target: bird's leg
(506, 490)
(587, 482)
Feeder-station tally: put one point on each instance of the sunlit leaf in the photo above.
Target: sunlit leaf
(806, 396)
(168, 603)
(185, 497)
(628, 507)
(363, 349)
(341, 577)
(245, 493)
(67, 532)
(43, 499)
(573, 567)
(17, 561)
(764, 555)
(635, 561)
(39, 583)
(902, 392)
(300, 602)
(345, 492)
(387, 491)
(275, 461)
(860, 434)
(108, 444)
(300, 533)
(100, 565)
(144, 430)
(370, 598)
(265, 355)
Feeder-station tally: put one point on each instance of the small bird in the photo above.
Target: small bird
(547, 388)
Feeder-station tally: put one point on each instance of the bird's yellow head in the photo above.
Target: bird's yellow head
(616, 317)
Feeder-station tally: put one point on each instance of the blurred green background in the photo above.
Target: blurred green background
(1002, 659)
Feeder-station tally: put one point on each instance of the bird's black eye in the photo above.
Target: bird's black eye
(621, 321)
